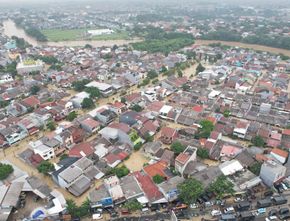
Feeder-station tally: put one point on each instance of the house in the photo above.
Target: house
(114, 188)
(112, 160)
(184, 158)
(158, 168)
(240, 129)
(230, 167)
(168, 135)
(129, 118)
(152, 148)
(169, 188)
(16, 109)
(104, 114)
(28, 66)
(100, 198)
(41, 149)
(280, 155)
(151, 191)
(230, 151)
(77, 177)
(90, 125)
(78, 99)
(30, 102)
(82, 150)
(272, 172)
(115, 136)
(131, 188)
(105, 89)
(13, 134)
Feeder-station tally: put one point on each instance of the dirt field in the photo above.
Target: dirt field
(242, 45)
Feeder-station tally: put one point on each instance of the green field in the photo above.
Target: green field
(79, 34)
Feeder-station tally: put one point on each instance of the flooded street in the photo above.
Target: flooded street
(10, 29)
(136, 161)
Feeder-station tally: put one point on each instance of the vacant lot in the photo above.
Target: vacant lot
(80, 34)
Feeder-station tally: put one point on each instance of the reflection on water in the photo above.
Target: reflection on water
(11, 29)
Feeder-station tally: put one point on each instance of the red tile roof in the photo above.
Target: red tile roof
(31, 101)
(197, 108)
(111, 158)
(91, 123)
(286, 132)
(280, 152)
(121, 126)
(156, 169)
(168, 132)
(80, 150)
(182, 158)
(150, 189)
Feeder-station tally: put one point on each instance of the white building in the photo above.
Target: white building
(78, 99)
(43, 150)
(105, 89)
(29, 66)
(97, 32)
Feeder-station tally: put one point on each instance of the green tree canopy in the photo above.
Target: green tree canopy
(51, 125)
(34, 89)
(133, 205)
(71, 116)
(158, 179)
(136, 108)
(5, 170)
(222, 186)
(206, 127)
(152, 74)
(177, 147)
(88, 103)
(258, 141)
(45, 167)
(202, 153)
(80, 85)
(78, 211)
(94, 92)
(256, 168)
(190, 190)
(199, 68)
(120, 171)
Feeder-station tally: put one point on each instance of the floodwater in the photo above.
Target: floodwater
(243, 45)
(10, 29)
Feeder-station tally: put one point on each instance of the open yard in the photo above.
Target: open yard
(80, 34)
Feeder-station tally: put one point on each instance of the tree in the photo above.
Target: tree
(71, 116)
(93, 91)
(45, 167)
(179, 73)
(199, 68)
(152, 74)
(205, 129)
(190, 190)
(222, 186)
(51, 126)
(202, 153)
(258, 141)
(123, 100)
(80, 85)
(177, 147)
(256, 168)
(34, 89)
(227, 113)
(136, 108)
(138, 146)
(158, 179)
(185, 87)
(148, 137)
(5, 170)
(120, 171)
(133, 205)
(88, 103)
(78, 212)
(88, 46)
(4, 104)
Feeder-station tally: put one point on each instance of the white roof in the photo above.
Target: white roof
(230, 167)
(165, 109)
(82, 95)
(214, 93)
(101, 86)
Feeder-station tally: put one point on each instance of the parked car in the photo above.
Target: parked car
(229, 210)
(216, 213)
(97, 216)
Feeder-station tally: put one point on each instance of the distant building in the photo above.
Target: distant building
(28, 66)
(97, 32)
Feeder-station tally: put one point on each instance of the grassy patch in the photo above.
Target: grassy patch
(80, 34)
